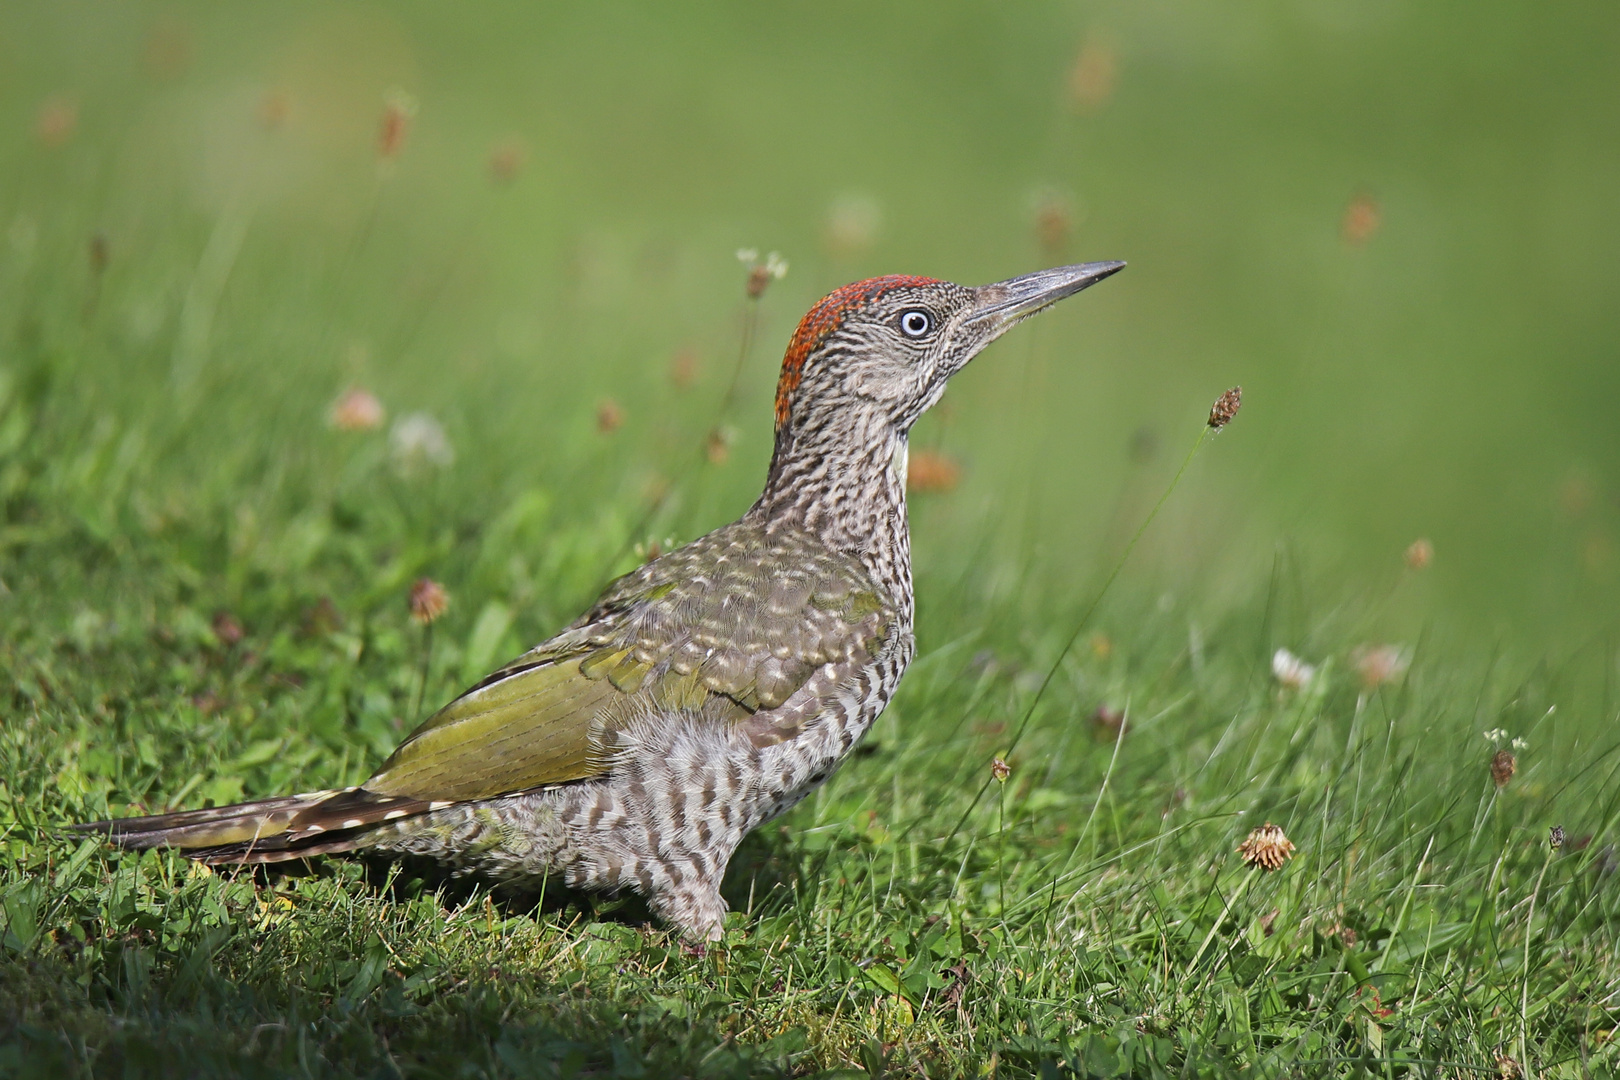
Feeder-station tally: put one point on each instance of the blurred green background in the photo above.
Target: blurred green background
(1395, 225)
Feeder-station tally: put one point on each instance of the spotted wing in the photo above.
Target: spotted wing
(732, 625)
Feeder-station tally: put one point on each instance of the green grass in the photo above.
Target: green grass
(167, 472)
(1090, 915)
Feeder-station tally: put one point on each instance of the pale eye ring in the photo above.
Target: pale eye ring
(916, 323)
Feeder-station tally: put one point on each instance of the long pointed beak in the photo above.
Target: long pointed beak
(1006, 302)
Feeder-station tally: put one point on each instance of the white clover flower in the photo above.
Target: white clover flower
(1291, 671)
(418, 443)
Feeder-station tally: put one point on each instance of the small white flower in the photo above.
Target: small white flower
(748, 256)
(1521, 744)
(776, 266)
(1495, 735)
(1291, 671)
(418, 443)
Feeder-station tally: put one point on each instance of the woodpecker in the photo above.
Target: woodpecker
(707, 691)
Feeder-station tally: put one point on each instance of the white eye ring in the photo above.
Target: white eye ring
(916, 323)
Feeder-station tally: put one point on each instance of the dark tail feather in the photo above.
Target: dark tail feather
(269, 830)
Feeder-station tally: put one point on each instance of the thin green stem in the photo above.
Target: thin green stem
(1085, 619)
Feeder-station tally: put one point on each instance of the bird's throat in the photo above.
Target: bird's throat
(850, 492)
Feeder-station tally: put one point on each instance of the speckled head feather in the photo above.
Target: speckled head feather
(822, 320)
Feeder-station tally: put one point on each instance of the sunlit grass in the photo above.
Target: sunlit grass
(183, 629)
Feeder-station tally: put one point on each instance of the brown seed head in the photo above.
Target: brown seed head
(1266, 847)
(1225, 408)
(428, 601)
(1555, 837)
(1000, 770)
(761, 274)
(718, 446)
(1092, 78)
(1053, 222)
(1503, 766)
(356, 410)
(1108, 721)
(1361, 219)
(759, 279)
(932, 471)
(273, 110)
(398, 112)
(226, 629)
(683, 368)
(506, 160)
(1419, 553)
(56, 122)
(1507, 1068)
(609, 416)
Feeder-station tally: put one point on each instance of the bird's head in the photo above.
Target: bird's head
(880, 351)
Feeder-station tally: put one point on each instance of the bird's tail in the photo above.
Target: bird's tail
(268, 830)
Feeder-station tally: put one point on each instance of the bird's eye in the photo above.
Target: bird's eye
(914, 324)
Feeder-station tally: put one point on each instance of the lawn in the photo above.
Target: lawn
(295, 313)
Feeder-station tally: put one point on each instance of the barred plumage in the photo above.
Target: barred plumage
(705, 692)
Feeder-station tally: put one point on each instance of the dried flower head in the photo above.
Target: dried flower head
(1093, 76)
(1507, 1068)
(506, 160)
(273, 109)
(1362, 217)
(1000, 770)
(1225, 408)
(356, 409)
(1419, 553)
(428, 601)
(1555, 837)
(761, 274)
(1345, 935)
(1108, 721)
(609, 416)
(1379, 664)
(932, 471)
(1503, 766)
(1054, 220)
(56, 122)
(227, 631)
(1291, 671)
(1266, 847)
(1268, 922)
(398, 111)
(717, 448)
(683, 368)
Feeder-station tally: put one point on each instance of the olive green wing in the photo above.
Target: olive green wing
(531, 724)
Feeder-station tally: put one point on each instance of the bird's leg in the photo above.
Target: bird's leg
(695, 906)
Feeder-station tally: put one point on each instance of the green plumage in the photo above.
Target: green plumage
(733, 623)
